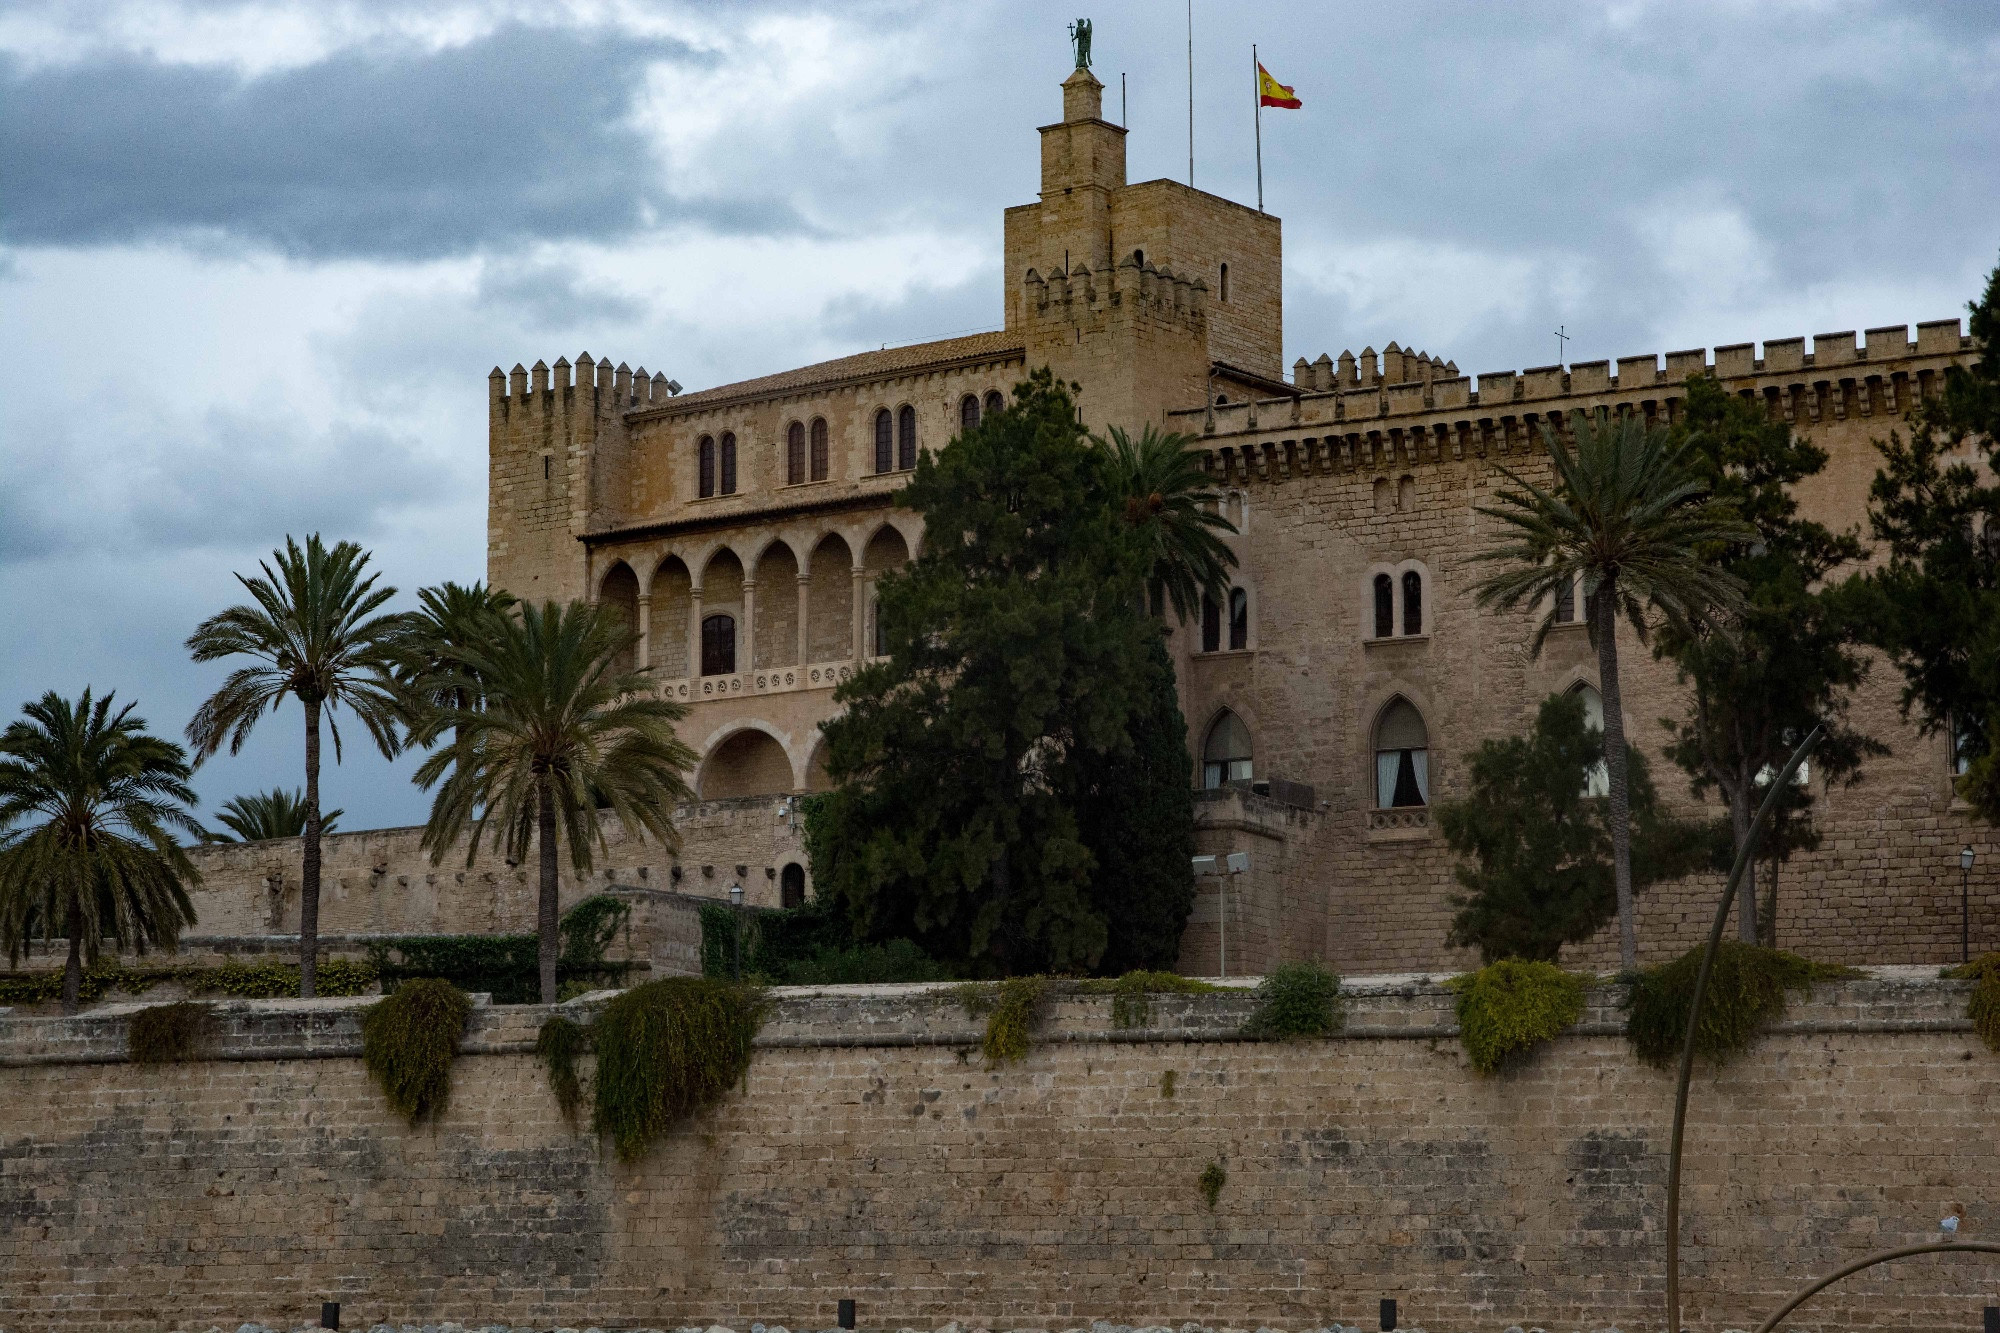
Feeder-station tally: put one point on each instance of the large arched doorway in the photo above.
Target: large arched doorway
(620, 591)
(746, 763)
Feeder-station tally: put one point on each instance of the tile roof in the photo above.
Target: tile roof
(862, 365)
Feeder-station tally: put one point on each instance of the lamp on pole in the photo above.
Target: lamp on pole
(736, 906)
(1965, 904)
(1224, 868)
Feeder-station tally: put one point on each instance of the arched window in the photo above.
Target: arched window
(906, 439)
(1225, 756)
(728, 463)
(792, 886)
(705, 452)
(968, 412)
(1225, 282)
(880, 632)
(718, 645)
(1239, 619)
(1566, 602)
(795, 453)
(1402, 757)
(1413, 602)
(1597, 782)
(1211, 625)
(1385, 606)
(1968, 743)
(995, 401)
(819, 449)
(885, 440)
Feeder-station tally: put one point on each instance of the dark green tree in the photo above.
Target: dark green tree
(1788, 658)
(1933, 605)
(89, 801)
(1537, 846)
(1019, 657)
(265, 815)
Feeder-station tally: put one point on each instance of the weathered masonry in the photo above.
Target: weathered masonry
(870, 1154)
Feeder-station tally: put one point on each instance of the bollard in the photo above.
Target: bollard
(1993, 1319)
(329, 1314)
(1389, 1316)
(847, 1314)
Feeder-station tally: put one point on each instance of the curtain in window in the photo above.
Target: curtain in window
(728, 463)
(819, 449)
(706, 453)
(885, 440)
(1420, 768)
(1387, 764)
(906, 439)
(795, 454)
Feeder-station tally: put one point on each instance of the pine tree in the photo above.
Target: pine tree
(1018, 662)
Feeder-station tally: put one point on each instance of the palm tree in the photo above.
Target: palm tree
(1165, 492)
(316, 638)
(449, 615)
(560, 734)
(265, 815)
(1627, 521)
(97, 860)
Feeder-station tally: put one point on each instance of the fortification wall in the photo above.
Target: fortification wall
(869, 1154)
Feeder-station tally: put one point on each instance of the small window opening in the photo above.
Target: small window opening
(819, 449)
(728, 463)
(885, 440)
(968, 412)
(1211, 625)
(706, 453)
(1566, 602)
(718, 645)
(995, 401)
(1385, 606)
(1239, 619)
(906, 439)
(1225, 282)
(795, 453)
(1413, 602)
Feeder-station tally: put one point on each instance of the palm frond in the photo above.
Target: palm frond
(1164, 492)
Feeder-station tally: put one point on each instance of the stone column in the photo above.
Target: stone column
(857, 611)
(805, 606)
(694, 631)
(746, 636)
(645, 645)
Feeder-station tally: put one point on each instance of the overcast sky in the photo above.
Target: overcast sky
(256, 259)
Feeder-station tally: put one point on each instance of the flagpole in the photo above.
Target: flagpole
(1190, 17)
(1257, 114)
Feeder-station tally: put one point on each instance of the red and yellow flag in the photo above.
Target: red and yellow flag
(1272, 93)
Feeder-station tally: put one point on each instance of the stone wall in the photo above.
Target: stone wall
(870, 1154)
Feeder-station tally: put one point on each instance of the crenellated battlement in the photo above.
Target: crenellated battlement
(1428, 410)
(608, 389)
(1134, 286)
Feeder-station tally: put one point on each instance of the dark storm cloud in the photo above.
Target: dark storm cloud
(523, 135)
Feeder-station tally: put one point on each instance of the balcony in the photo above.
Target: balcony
(769, 680)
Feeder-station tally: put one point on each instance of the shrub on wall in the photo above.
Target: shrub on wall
(1513, 1005)
(669, 1050)
(169, 1033)
(408, 1042)
(558, 1045)
(1297, 1001)
(1013, 1010)
(1132, 994)
(1213, 1178)
(1984, 1007)
(1748, 987)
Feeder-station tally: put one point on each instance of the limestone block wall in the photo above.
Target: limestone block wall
(869, 1153)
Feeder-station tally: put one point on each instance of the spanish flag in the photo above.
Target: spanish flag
(1272, 93)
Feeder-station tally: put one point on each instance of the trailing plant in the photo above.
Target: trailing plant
(169, 1033)
(669, 1050)
(243, 981)
(1747, 988)
(1013, 1009)
(1213, 1178)
(1297, 1001)
(1984, 1007)
(557, 1046)
(1513, 1005)
(719, 925)
(1167, 1081)
(1132, 994)
(588, 928)
(408, 1042)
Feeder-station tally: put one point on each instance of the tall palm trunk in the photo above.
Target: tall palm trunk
(545, 911)
(1604, 619)
(309, 875)
(72, 997)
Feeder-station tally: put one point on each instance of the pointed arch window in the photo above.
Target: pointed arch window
(1225, 755)
(1413, 602)
(1385, 606)
(819, 449)
(885, 440)
(718, 645)
(728, 468)
(968, 412)
(705, 467)
(795, 453)
(906, 439)
(1402, 757)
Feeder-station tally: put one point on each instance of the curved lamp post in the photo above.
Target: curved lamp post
(1743, 857)
(1881, 1257)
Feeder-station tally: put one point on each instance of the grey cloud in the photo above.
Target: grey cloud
(522, 135)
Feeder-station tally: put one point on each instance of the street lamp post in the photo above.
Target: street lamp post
(736, 906)
(1965, 904)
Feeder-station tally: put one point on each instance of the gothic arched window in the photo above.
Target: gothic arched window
(705, 452)
(906, 439)
(1385, 606)
(718, 645)
(1402, 757)
(1413, 602)
(1225, 756)
(968, 412)
(885, 440)
(728, 486)
(795, 453)
(819, 449)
